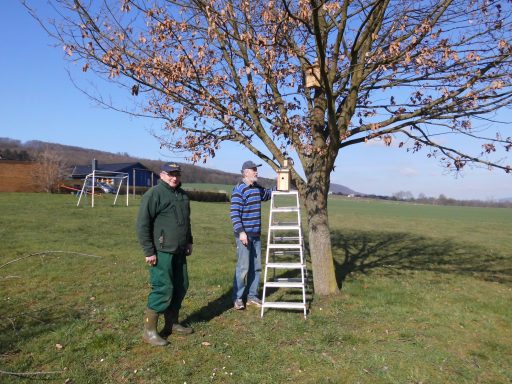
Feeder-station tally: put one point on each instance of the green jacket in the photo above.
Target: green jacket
(163, 222)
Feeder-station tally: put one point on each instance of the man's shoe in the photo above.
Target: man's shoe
(173, 326)
(239, 304)
(177, 327)
(254, 301)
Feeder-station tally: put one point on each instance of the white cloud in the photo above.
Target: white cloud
(408, 171)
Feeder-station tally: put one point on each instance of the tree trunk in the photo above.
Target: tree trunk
(324, 277)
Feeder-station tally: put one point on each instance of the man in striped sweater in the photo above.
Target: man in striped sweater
(246, 218)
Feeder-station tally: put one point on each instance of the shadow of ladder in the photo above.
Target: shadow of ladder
(285, 250)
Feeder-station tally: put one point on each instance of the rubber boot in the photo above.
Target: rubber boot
(150, 335)
(167, 329)
(176, 326)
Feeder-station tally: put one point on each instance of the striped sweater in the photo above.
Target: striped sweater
(246, 208)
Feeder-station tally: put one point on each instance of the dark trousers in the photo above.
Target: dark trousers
(169, 282)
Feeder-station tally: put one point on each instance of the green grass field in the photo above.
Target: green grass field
(426, 297)
(208, 187)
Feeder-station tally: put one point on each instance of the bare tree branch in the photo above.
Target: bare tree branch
(235, 70)
(28, 374)
(48, 253)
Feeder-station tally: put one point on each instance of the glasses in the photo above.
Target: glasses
(173, 174)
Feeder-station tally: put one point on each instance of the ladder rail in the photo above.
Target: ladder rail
(284, 239)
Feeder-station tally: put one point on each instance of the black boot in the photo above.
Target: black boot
(167, 329)
(175, 325)
(150, 335)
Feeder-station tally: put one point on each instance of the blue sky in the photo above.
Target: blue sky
(38, 101)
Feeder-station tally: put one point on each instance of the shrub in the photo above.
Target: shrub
(208, 196)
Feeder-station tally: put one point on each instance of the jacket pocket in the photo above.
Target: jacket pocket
(161, 239)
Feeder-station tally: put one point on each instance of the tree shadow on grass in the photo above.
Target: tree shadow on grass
(224, 302)
(394, 253)
(211, 310)
(15, 327)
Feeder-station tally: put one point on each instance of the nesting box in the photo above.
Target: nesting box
(313, 76)
(283, 180)
(283, 176)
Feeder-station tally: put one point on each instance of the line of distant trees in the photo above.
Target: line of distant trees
(9, 154)
(444, 200)
(59, 160)
(408, 197)
(69, 156)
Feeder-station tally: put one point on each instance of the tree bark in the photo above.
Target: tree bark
(324, 277)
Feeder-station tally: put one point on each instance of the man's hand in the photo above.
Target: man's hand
(188, 249)
(151, 260)
(243, 238)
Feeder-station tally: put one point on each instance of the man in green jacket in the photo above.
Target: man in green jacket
(164, 233)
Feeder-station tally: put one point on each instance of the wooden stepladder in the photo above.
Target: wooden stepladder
(285, 251)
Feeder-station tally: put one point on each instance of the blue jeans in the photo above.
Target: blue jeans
(248, 268)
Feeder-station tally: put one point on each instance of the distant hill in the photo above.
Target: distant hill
(341, 189)
(81, 156)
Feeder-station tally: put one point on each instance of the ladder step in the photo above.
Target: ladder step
(284, 193)
(281, 238)
(284, 209)
(281, 222)
(283, 253)
(284, 284)
(284, 227)
(283, 304)
(284, 246)
(285, 265)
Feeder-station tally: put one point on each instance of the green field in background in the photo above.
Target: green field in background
(426, 296)
(208, 187)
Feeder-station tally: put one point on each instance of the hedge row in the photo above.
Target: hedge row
(208, 196)
(194, 195)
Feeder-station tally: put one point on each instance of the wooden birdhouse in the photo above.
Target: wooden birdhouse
(312, 75)
(283, 176)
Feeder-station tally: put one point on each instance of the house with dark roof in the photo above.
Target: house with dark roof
(142, 175)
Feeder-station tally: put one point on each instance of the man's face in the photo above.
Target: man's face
(171, 178)
(251, 174)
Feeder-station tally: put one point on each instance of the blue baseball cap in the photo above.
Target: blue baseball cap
(170, 167)
(249, 165)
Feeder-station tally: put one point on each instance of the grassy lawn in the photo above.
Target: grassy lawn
(426, 297)
(208, 187)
